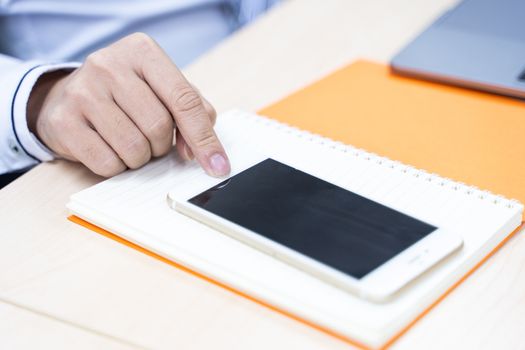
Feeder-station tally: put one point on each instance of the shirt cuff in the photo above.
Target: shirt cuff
(28, 142)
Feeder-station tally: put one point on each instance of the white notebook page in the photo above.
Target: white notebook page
(133, 205)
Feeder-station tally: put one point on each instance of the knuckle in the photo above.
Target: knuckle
(205, 139)
(96, 59)
(211, 112)
(78, 95)
(213, 115)
(185, 99)
(135, 145)
(59, 121)
(100, 61)
(142, 41)
(92, 155)
(102, 163)
(110, 166)
(163, 149)
(160, 129)
(137, 152)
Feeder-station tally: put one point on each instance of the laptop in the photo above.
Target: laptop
(478, 44)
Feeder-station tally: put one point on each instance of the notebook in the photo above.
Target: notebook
(134, 206)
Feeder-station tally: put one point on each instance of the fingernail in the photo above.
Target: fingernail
(219, 165)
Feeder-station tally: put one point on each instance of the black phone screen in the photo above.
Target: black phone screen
(325, 222)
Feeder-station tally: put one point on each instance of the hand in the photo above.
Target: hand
(121, 108)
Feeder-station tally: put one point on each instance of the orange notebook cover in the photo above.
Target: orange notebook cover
(468, 136)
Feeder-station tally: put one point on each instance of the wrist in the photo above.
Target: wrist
(38, 95)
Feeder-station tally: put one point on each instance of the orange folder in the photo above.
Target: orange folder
(468, 136)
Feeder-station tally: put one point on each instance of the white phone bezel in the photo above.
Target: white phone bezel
(379, 285)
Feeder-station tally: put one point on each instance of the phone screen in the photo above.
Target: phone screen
(337, 227)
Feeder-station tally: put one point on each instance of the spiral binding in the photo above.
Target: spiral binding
(389, 163)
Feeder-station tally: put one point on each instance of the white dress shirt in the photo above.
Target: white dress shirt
(39, 36)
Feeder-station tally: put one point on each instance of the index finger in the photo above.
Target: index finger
(186, 107)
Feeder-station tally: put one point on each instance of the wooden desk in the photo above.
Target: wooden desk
(62, 286)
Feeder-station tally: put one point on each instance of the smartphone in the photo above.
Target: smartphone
(338, 236)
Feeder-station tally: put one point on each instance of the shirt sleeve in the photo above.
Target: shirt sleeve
(251, 9)
(19, 148)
